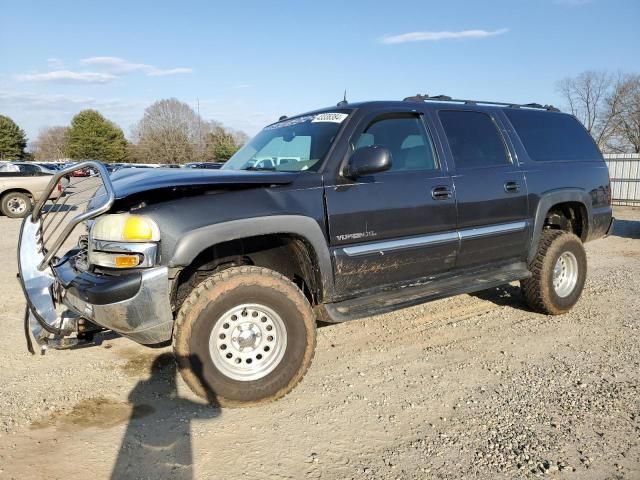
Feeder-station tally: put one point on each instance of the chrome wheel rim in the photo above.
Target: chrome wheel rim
(248, 342)
(17, 205)
(565, 274)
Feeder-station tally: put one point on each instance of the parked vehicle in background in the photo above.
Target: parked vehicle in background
(206, 165)
(51, 166)
(8, 167)
(379, 206)
(84, 172)
(20, 190)
(34, 168)
(133, 166)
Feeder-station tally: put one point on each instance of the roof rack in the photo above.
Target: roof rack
(446, 98)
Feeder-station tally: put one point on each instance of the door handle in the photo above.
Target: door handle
(441, 193)
(511, 187)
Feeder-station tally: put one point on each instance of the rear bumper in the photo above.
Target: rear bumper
(601, 223)
(610, 229)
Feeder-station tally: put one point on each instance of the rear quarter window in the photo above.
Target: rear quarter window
(550, 136)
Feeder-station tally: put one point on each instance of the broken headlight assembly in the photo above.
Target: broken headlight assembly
(123, 240)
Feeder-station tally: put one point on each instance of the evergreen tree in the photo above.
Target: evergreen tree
(221, 144)
(13, 141)
(93, 137)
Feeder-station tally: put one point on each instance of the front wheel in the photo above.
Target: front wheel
(244, 336)
(558, 273)
(16, 205)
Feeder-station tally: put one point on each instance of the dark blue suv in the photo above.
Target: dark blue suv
(332, 215)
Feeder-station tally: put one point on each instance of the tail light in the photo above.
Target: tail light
(59, 186)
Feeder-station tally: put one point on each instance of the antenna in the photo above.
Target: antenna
(344, 101)
(199, 128)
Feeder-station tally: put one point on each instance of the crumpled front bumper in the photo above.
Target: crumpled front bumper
(135, 304)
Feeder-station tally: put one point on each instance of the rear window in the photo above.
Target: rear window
(552, 136)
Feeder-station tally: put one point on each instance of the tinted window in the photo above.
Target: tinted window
(29, 168)
(473, 138)
(552, 136)
(405, 138)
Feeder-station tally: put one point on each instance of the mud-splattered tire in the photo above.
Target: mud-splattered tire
(15, 204)
(244, 336)
(558, 270)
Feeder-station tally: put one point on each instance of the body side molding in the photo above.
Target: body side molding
(434, 238)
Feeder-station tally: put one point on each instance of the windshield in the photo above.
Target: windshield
(292, 145)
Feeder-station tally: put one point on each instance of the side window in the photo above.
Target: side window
(405, 137)
(28, 168)
(474, 139)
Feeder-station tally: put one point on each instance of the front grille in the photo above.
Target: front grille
(81, 259)
(73, 200)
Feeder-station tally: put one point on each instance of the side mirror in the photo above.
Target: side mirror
(367, 160)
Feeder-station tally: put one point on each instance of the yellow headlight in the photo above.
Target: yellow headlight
(124, 227)
(137, 228)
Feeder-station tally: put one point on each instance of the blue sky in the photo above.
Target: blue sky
(248, 62)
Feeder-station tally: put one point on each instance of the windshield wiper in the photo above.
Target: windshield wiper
(260, 169)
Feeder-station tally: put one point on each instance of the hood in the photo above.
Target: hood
(130, 181)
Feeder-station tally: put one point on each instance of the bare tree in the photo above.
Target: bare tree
(626, 125)
(239, 137)
(172, 132)
(51, 144)
(586, 96)
(169, 132)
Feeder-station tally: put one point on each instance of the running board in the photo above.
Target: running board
(415, 294)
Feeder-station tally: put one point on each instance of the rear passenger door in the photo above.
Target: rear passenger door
(490, 187)
(398, 225)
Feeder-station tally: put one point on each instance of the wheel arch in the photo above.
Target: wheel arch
(301, 234)
(560, 200)
(16, 190)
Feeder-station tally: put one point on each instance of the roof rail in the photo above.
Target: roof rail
(446, 98)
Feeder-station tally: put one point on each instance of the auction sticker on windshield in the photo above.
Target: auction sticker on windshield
(330, 117)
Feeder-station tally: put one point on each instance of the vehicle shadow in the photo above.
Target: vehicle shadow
(626, 229)
(504, 295)
(157, 442)
(58, 208)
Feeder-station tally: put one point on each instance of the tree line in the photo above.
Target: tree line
(169, 132)
(608, 105)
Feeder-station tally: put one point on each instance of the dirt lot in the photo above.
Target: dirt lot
(474, 386)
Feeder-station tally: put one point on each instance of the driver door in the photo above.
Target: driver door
(399, 225)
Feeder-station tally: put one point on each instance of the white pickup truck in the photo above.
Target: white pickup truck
(19, 190)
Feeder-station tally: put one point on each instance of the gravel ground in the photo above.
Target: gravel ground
(474, 386)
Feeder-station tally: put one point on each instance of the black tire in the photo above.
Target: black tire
(539, 290)
(13, 201)
(208, 305)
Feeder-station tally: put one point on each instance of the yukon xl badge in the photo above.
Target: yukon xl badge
(355, 236)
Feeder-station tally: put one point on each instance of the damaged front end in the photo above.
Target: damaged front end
(107, 280)
(42, 235)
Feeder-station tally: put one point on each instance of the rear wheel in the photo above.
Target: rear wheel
(559, 271)
(244, 336)
(15, 205)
